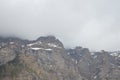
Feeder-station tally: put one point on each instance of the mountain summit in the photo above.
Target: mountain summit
(47, 59)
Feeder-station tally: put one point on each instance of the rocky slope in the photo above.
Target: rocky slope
(47, 59)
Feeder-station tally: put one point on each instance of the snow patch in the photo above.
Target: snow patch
(53, 45)
(114, 54)
(48, 49)
(37, 48)
(31, 44)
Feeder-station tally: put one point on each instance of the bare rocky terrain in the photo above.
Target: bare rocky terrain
(47, 59)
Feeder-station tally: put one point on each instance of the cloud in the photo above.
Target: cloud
(89, 23)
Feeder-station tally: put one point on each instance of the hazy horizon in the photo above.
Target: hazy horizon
(89, 23)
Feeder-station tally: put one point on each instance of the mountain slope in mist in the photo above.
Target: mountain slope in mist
(47, 59)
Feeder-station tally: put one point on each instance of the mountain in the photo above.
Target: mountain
(47, 59)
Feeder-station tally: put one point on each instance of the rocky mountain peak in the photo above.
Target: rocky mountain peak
(50, 39)
(47, 38)
(46, 58)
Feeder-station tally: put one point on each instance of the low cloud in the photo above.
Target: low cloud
(89, 23)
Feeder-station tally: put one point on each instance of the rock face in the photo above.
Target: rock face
(6, 55)
(47, 59)
(97, 65)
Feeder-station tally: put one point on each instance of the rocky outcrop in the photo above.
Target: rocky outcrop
(47, 59)
(96, 65)
(7, 54)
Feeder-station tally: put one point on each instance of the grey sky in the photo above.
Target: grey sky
(89, 23)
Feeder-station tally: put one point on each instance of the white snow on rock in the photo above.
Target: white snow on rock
(37, 48)
(48, 49)
(53, 45)
(95, 77)
(31, 44)
(114, 54)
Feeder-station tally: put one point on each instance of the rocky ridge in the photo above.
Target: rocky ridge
(47, 59)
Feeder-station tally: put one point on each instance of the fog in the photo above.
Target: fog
(94, 24)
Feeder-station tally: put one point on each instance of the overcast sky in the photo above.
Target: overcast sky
(89, 23)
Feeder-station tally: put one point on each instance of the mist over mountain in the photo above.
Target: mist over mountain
(89, 23)
(46, 58)
(59, 40)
